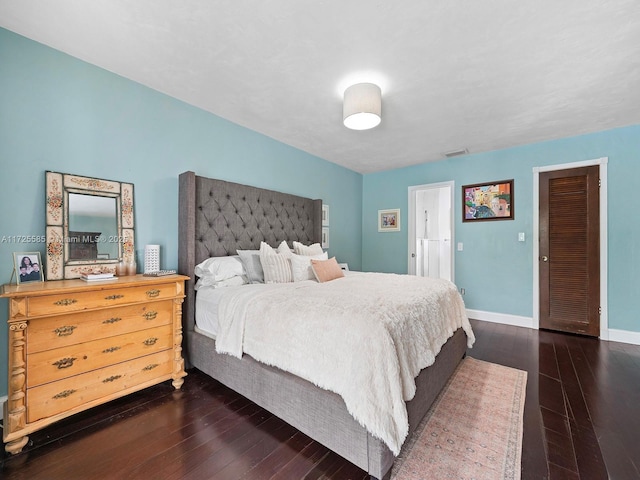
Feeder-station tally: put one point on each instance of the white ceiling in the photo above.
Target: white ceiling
(455, 74)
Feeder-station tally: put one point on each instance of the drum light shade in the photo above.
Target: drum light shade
(362, 106)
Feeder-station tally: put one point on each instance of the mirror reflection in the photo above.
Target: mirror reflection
(93, 227)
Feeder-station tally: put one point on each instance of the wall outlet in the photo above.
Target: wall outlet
(462, 291)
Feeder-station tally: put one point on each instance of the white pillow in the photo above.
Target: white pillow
(207, 281)
(284, 249)
(301, 266)
(276, 266)
(301, 249)
(220, 268)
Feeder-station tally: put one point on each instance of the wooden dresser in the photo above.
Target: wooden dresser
(75, 344)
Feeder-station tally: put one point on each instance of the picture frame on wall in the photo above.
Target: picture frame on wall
(389, 220)
(325, 237)
(325, 215)
(488, 201)
(28, 267)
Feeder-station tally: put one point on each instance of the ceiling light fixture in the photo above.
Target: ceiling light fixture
(362, 106)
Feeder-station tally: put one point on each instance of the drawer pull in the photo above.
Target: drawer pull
(112, 320)
(65, 302)
(150, 367)
(150, 315)
(65, 331)
(111, 379)
(63, 394)
(113, 297)
(150, 341)
(153, 293)
(111, 349)
(65, 362)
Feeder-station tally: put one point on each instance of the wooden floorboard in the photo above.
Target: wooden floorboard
(581, 421)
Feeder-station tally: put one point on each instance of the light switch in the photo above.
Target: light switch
(460, 246)
(521, 237)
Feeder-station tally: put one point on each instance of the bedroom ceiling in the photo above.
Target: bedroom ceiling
(481, 75)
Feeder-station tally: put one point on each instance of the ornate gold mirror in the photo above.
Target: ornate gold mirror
(89, 225)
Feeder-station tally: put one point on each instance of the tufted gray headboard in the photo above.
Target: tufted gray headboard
(216, 218)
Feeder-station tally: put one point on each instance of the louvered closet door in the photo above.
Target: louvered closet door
(569, 259)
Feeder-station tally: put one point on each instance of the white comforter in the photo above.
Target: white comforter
(365, 336)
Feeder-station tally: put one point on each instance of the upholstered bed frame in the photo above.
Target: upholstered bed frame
(215, 219)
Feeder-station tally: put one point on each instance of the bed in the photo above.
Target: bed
(217, 218)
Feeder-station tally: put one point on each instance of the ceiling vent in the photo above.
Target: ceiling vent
(456, 153)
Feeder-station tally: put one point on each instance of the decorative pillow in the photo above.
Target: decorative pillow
(301, 266)
(283, 249)
(208, 281)
(301, 249)
(276, 266)
(326, 270)
(253, 267)
(220, 268)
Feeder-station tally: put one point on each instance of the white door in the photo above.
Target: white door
(431, 230)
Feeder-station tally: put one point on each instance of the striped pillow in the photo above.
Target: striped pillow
(276, 267)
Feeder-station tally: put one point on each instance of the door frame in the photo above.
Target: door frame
(411, 265)
(602, 163)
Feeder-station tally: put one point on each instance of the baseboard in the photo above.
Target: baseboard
(503, 318)
(624, 336)
(614, 335)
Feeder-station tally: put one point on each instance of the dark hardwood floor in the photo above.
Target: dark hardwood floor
(581, 421)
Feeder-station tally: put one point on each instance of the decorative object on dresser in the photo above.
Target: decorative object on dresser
(151, 258)
(28, 267)
(90, 225)
(75, 344)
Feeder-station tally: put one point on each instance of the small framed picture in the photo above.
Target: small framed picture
(325, 215)
(389, 220)
(325, 237)
(28, 267)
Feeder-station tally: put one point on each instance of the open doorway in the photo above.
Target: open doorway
(431, 230)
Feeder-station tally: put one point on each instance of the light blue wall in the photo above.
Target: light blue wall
(494, 268)
(59, 113)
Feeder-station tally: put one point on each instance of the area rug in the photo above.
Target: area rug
(472, 431)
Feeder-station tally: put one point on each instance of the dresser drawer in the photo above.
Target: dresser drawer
(58, 397)
(64, 330)
(51, 365)
(78, 301)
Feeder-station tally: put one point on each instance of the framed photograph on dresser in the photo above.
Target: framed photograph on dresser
(28, 267)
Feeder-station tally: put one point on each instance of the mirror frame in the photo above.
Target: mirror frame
(58, 186)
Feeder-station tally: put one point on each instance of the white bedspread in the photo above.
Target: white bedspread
(365, 337)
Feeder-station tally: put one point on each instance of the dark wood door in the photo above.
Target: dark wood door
(569, 259)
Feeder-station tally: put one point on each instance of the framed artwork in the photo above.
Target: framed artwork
(488, 201)
(389, 220)
(325, 237)
(28, 266)
(325, 215)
